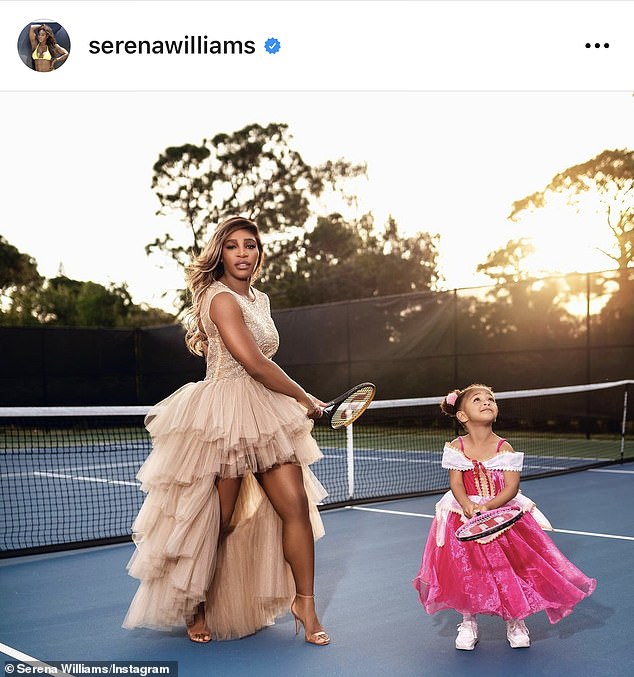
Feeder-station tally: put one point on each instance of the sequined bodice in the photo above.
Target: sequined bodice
(482, 478)
(257, 317)
(482, 481)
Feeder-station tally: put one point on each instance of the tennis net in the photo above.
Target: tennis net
(68, 474)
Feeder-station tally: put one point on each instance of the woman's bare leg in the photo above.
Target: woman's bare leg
(284, 487)
(228, 490)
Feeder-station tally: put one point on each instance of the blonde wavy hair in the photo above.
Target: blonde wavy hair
(207, 268)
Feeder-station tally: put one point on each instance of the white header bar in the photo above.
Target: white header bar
(325, 45)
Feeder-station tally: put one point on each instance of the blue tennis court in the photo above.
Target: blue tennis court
(69, 606)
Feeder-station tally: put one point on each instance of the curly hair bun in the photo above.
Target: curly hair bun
(448, 405)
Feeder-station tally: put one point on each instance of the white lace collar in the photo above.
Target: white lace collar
(454, 459)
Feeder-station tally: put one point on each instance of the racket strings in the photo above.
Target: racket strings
(489, 523)
(353, 406)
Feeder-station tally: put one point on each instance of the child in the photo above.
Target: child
(520, 570)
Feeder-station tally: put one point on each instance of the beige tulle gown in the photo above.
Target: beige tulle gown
(228, 425)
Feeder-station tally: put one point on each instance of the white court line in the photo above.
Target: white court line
(86, 479)
(438, 454)
(102, 466)
(589, 533)
(25, 658)
(528, 466)
(559, 531)
(395, 460)
(618, 472)
(391, 512)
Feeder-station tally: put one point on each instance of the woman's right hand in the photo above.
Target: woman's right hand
(314, 407)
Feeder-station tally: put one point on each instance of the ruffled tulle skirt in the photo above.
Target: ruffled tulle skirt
(513, 576)
(202, 432)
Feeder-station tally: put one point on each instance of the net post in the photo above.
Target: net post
(588, 364)
(624, 422)
(350, 459)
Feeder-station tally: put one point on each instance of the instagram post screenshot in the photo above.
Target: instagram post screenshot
(317, 338)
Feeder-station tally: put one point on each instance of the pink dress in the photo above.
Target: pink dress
(516, 574)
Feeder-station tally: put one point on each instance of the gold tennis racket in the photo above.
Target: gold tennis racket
(346, 409)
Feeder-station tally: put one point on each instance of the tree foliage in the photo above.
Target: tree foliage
(16, 269)
(19, 282)
(340, 260)
(504, 265)
(254, 172)
(517, 307)
(610, 177)
(539, 306)
(73, 303)
(30, 299)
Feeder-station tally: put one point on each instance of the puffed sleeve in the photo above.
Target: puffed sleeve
(452, 459)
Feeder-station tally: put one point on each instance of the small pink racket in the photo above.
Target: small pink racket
(488, 523)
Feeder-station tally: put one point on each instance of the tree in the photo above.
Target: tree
(19, 280)
(610, 177)
(74, 303)
(338, 261)
(504, 265)
(517, 307)
(16, 269)
(253, 172)
(26, 298)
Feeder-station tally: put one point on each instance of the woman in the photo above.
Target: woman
(46, 51)
(226, 534)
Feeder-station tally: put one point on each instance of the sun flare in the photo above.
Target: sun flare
(566, 241)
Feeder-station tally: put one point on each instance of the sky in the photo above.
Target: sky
(77, 191)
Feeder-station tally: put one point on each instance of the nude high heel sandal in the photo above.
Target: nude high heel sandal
(198, 636)
(319, 638)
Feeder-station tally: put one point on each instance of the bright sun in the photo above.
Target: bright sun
(569, 241)
(566, 240)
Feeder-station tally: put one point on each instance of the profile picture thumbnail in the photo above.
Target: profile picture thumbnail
(43, 46)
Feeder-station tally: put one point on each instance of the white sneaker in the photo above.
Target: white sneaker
(517, 634)
(467, 635)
